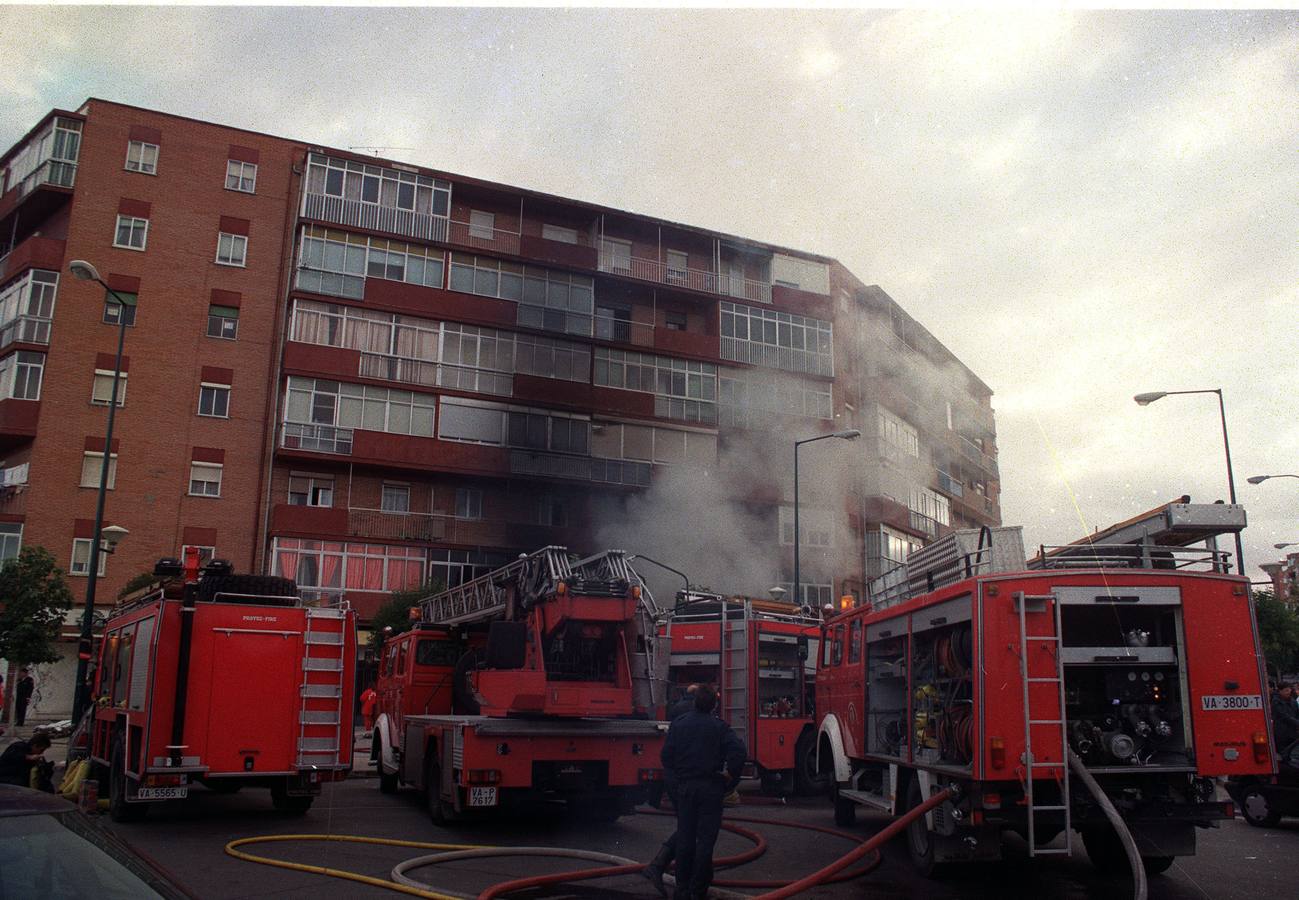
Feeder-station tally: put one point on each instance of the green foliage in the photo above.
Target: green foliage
(1278, 632)
(34, 597)
(395, 613)
(143, 580)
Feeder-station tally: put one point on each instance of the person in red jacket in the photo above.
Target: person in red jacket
(368, 700)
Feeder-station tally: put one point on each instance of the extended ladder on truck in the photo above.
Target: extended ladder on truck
(534, 575)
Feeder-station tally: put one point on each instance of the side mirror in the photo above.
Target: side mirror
(802, 647)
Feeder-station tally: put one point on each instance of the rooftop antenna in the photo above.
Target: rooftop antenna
(376, 150)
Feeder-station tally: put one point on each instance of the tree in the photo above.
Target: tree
(1278, 632)
(33, 600)
(395, 613)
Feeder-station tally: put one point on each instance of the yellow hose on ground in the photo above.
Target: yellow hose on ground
(231, 849)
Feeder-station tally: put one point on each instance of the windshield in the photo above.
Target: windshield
(437, 653)
(39, 857)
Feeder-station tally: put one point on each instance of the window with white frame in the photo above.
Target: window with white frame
(80, 564)
(677, 263)
(469, 503)
(803, 274)
(653, 443)
(223, 322)
(311, 490)
(482, 224)
(754, 398)
(115, 310)
(241, 176)
(358, 182)
(931, 504)
(11, 540)
(615, 255)
(513, 426)
(320, 402)
(205, 479)
(132, 232)
(232, 249)
(396, 498)
(778, 340)
(338, 262)
(21, 374)
(214, 400)
(559, 233)
(352, 566)
(32, 295)
(101, 392)
(205, 554)
(142, 157)
(92, 465)
(897, 432)
(816, 527)
(683, 389)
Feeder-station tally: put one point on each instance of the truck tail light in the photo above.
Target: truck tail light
(992, 800)
(164, 780)
(1229, 810)
(484, 776)
(1261, 754)
(650, 775)
(997, 753)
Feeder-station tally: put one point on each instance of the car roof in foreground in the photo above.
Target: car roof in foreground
(21, 801)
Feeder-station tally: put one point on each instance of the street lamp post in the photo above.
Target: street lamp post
(850, 434)
(1259, 479)
(1149, 398)
(86, 272)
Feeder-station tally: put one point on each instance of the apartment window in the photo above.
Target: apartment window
(80, 564)
(897, 432)
(682, 389)
(482, 224)
(678, 262)
(205, 554)
(369, 184)
(232, 249)
(396, 498)
(132, 232)
(101, 393)
(142, 157)
(205, 479)
(241, 176)
(613, 323)
(674, 321)
(780, 340)
(949, 415)
(311, 490)
(559, 233)
(92, 467)
(30, 294)
(11, 540)
(322, 402)
(551, 511)
(803, 274)
(113, 310)
(615, 255)
(337, 262)
(223, 322)
(815, 526)
(214, 400)
(21, 374)
(469, 503)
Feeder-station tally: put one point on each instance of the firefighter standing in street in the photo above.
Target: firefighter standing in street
(699, 745)
(657, 866)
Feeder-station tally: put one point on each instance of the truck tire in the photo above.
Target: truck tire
(387, 781)
(808, 780)
(1106, 852)
(920, 840)
(439, 810)
(287, 803)
(845, 811)
(119, 810)
(1256, 808)
(260, 585)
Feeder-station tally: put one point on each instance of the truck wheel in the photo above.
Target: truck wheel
(118, 809)
(1107, 854)
(1256, 809)
(807, 779)
(387, 782)
(845, 811)
(1157, 865)
(439, 810)
(920, 840)
(286, 803)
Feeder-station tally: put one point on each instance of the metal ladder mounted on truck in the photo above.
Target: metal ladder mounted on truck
(534, 575)
(321, 714)
(1052, 643)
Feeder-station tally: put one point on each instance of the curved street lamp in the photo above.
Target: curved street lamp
(848, 434)
(1283, 546)
(1150, 397)
(1259, 479)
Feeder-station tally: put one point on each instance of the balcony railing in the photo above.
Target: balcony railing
(484, 237)
(693, 279)
(398, 526)
(582, 468)
(620, 471)
(390, 219)
(25, 329)
(971, 451)
(52, 171)
(950, 485)
(607, 328)
(924, 523)
(317, 438)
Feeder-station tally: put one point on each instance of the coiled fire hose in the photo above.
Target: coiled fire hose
(1120, 827)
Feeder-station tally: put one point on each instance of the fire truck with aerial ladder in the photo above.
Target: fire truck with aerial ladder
(228, 680)
(761, 656)
(1100, 687)
(532, 683)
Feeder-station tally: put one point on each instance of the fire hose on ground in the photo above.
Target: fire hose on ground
(837, 871)
(1120, 827)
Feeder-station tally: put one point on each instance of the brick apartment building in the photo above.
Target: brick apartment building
(1285, 577)
(364, 374)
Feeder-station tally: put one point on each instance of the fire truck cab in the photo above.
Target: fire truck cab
(1132, 656)
(530, 684)
(222, 679)
(761, 656)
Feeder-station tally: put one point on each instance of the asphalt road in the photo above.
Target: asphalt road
(187, 838)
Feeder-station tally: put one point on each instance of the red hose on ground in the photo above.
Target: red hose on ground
(857, 853)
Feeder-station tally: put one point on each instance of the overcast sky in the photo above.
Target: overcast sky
(1081, 206)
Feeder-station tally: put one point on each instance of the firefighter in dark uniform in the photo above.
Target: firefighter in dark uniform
(699, 745)
(657, 866)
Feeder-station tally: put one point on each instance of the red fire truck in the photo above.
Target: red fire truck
(761, 656)
(532, 683)
(1126, 666)
(228, 680)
